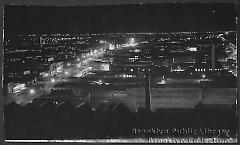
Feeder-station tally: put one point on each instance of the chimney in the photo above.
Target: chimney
(40, 41)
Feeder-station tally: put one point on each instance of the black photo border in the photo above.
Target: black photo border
(87, 3)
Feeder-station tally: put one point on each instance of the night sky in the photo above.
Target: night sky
(119, 18)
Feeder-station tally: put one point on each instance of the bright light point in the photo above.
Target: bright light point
(68, 64)
(32, 91)
(111, 47)
(78, 59)
(162, 82)
(46, 75)
(52, 80)
(192, 48)
(132, 40)
(136, 50)
(66, 73)
(102, 42)
(203, 76)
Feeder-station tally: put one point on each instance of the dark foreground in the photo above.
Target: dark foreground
(115, 121)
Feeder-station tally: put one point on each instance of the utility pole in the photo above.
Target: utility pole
(148, 90)
(203, 86)
(213, 57)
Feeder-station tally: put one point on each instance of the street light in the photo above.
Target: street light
(52, 80)
(203, 77)
(46, 74)
(203, 86)
(32, 91)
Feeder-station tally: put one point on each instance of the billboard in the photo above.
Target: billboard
(15, 87)
(50, 59)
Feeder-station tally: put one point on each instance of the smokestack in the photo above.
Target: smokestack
(148, 91)
(40, 41)
(213, 57)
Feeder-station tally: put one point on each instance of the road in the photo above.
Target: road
(78, 68)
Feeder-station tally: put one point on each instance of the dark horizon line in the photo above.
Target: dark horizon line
(162, 32)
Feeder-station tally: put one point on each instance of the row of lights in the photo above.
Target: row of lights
(210, 69)
(32, 91)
